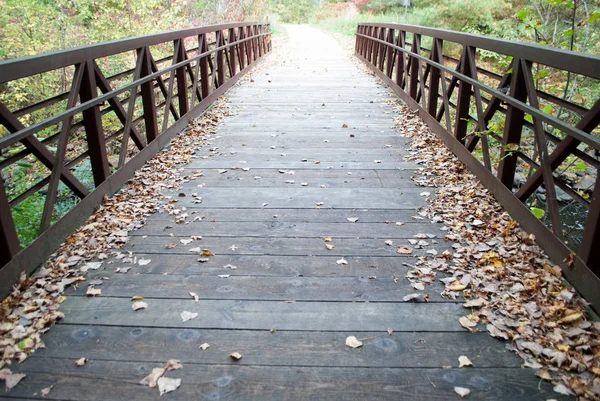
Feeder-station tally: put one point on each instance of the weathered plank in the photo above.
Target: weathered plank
(292, 215)
(274, 246)
(267, 265)
(282, 348)
(265, 315)
(227, 381)
(281, 229)
(370, 287)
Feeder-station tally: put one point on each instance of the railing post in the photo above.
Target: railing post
(589, 250)
(249, 45)
(390, 53)
(401, 60)
(231, 40)
(92, 121)
(242, 48)
(513, 126)
(434, 77)
(259, 40)
(204, 80)
(219, 61)
(182, 94)
(382, 49)
(415, 65)
(9, 241)
(464, 98)
(148, 98)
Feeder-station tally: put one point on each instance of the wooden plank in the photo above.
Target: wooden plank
(257, 229)
(290, 215)
(228, 381)
(401, 349)
(369, 287)
(300, 197)
(274, 246)
(267, 265)
(266, 315)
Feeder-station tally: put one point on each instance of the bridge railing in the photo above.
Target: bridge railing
(522, 117)
(95, 114)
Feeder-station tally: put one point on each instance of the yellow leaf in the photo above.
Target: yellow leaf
(456, 286)
(571, 318)
(137, 298)
(327, 239)
(563, 348)
(206, 252)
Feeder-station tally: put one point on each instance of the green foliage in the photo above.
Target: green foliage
(294, 11)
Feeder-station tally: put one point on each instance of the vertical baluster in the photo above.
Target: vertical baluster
(391, 53)
(219, 61)
(415, 65)
(464, 98)
(182, 91)
(148, 99)
(231, 40)
(242, 48)
(204, 80)
(401, 60)
(92, 121)
(513, 126)
(9, 241)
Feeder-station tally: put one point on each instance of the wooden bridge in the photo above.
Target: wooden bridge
(288, 226)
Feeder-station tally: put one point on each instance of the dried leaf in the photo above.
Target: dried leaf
(327, 239)
(152, 379)
(329, 246)
(185, 316)
(464, 361)
(390, 331)
(144, 262)
(341, 261)
(204, 346)
(45, 391)
(206, 252)
(166, 385)
(137, 305)
(389, 242)
(410, 297)
(404, 250)
(466, 322)
(81, 361)
(12, 379)
(194, 295)
(475, 303)
(137, 298)
(92, 292)
(462, 391)
(353, 342)
(236, 356)
(496, 332)
(419, 286)
(352, 219)
(173, 364)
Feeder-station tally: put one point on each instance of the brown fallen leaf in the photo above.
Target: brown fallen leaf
(173, 364)
(236, 356)
(344, 126)
(92, 292)
(152, 379)
(353, 342)
(327, 239)
(12, 379)
(466, 322)
(403, 250)
(137, 298)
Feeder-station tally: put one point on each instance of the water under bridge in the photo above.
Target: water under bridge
(286, 221)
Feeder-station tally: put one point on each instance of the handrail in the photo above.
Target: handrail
(517, 129)
(175, 93)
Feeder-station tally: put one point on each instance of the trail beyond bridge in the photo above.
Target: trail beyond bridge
(295, 255)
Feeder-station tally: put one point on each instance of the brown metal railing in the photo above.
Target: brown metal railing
(522, 139)
(140, 108)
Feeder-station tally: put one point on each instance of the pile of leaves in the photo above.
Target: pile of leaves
(511, 288)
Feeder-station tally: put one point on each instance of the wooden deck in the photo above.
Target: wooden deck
(288, 306)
